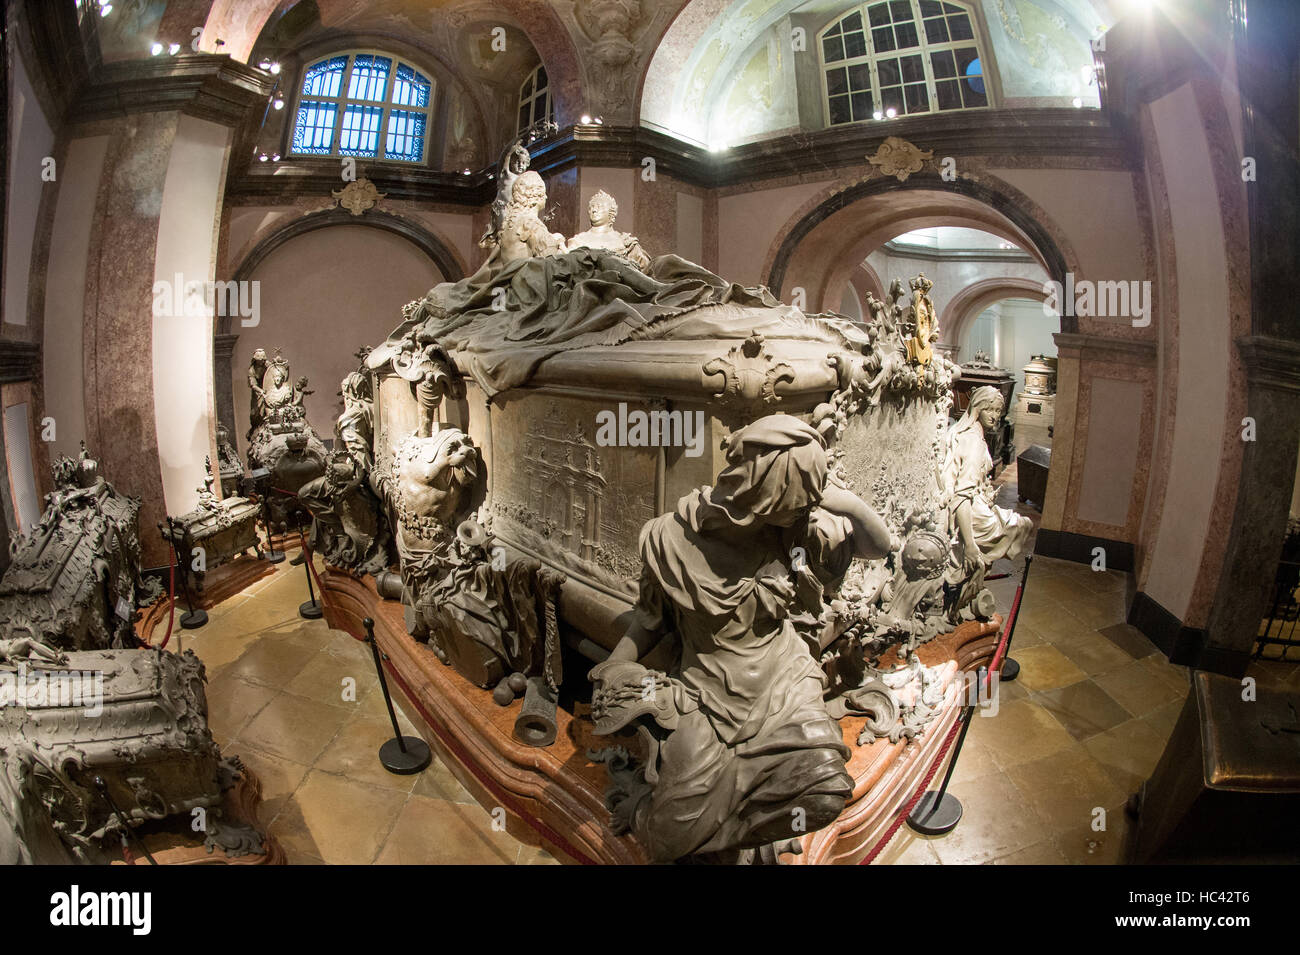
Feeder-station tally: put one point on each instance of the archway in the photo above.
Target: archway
(964, 307)
(819, 249)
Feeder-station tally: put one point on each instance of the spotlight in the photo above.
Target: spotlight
(599, 121)
(262, 157)
(155, 49)
(173, 49)
(891, 112)
(106, 9)
(1077, 102)
(275, 69)
(264, 63)
(275, 157)
(465, 172)
(585, 120)
(278, 102)
(877, 115)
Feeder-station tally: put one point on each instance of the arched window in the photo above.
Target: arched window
(899, 58)
(535, 103)
(367, 105)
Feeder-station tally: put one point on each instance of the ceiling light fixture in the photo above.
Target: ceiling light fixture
(155, 49)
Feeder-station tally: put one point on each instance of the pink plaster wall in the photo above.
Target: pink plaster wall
(324, 295)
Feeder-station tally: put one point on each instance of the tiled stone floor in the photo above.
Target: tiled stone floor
(276, 699)
(1078, 731)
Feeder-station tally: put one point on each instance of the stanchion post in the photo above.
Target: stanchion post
(311, 609)
(195, 617)
(1010, 668)
(402, 755)
(939, 811)
(261, 481)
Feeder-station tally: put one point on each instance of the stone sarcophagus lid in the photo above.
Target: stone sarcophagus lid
(224, 529)
(98, 732)
(73, 580)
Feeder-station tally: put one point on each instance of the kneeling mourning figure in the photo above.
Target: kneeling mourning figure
(94, 728)
(845, 523)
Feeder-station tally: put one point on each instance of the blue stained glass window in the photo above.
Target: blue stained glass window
(405, 135)
(366, 116)
(369, 80)
(314, 131)
(410, 88)
(324, 78)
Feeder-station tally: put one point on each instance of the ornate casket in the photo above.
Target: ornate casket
(74, 577)
(135, 720)
(221, 529)
(107, 735)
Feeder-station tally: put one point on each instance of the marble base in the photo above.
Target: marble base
(554, 796)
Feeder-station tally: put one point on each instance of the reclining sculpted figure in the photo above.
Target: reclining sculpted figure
(742, 754)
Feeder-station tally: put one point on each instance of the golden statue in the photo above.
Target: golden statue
(926, 325)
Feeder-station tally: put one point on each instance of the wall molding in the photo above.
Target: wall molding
(1271, 362)
(1139, 351)
(19, 361)
(1067, 545)
(1188, 646)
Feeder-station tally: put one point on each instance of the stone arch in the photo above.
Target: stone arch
(239, 24)
(832, 234)
(967, 304)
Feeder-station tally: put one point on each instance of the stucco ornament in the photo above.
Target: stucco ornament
(899, 158)
(358, 196)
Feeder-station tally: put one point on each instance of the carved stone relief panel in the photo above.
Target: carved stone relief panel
(569, 499)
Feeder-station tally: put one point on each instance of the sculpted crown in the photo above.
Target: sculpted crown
(921, 284)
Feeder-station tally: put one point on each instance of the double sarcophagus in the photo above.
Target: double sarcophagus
(745, 516)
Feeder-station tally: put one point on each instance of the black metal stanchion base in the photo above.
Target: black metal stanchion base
(193, 620)
(1010, 670)
(310, 610)
(406, 762)
(274, 556)
(931, 818)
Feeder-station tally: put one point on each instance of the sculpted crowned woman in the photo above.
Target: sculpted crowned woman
(982, 531)
(742, 752)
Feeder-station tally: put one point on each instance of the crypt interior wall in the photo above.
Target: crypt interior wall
(323, 295)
